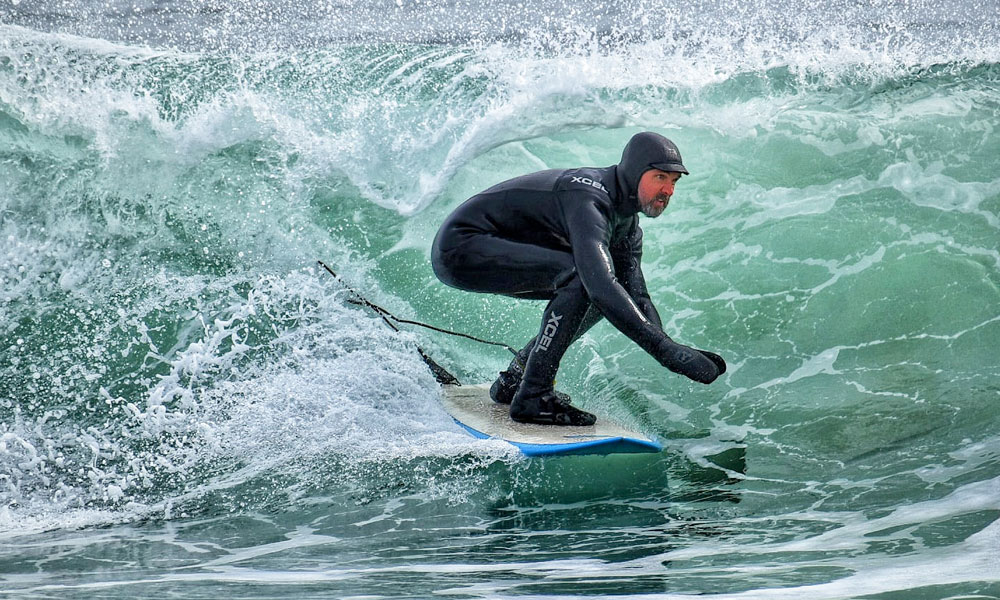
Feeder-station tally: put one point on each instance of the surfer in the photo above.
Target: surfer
(571, 237)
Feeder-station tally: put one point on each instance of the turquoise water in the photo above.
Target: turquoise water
(191, 407)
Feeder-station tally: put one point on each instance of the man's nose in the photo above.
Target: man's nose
(668, 189)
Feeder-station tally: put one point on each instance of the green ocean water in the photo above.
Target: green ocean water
(191, 407)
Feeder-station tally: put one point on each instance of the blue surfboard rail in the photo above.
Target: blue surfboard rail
(600, 446)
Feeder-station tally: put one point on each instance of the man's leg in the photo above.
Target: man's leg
(535, 400)
(478, 262)
(483, 263)
(505, 386)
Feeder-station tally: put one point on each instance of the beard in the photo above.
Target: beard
(653, 208)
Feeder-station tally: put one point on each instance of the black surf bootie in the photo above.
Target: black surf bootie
(547, 408)
(503, 389)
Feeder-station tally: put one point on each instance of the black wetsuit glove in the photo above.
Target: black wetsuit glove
(703, 367)
(719, 363)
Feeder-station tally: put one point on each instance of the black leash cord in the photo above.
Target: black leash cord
(386, 315)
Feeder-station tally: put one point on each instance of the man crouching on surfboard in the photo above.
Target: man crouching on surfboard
(571, 237)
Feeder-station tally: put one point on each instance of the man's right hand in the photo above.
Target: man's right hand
(691, 363)
(719, 362)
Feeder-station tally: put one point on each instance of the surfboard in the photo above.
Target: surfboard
(471, 407)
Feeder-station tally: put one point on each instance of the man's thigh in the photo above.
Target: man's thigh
(489, 264)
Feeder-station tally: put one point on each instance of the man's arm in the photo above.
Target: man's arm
(588, 219)
(627, 257)
(588, 226)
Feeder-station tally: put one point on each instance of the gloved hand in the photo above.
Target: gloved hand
(719, 363)
(701, 366)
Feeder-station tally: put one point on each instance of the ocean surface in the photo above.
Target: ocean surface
(190, 407)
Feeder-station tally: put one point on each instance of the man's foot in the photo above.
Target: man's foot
(548, 409)
(503, 389)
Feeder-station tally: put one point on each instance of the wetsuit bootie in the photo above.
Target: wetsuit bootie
(546, 408)
(503, 389)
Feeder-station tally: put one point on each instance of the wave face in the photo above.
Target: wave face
(188, 403)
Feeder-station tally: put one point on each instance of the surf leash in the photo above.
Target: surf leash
(440, 373)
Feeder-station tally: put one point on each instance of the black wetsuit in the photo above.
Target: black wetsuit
(571, 237)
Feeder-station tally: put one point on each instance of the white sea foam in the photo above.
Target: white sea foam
(336, 384)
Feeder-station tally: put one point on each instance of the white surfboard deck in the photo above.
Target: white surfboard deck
(471, 407)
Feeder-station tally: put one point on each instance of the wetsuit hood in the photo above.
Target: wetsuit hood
(645, 151)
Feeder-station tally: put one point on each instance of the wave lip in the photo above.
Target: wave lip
(249, 24)
(397, 122)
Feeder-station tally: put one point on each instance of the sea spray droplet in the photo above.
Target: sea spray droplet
(114, 493)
